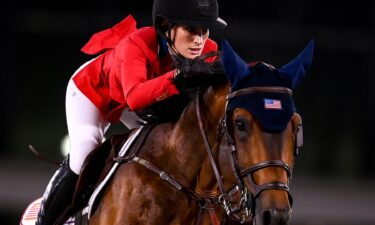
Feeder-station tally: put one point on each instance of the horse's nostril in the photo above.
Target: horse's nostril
(266, 217)
(284, 216)
(272, 216)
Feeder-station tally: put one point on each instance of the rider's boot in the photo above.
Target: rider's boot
(58, 196)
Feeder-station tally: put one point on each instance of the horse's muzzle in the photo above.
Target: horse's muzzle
(271, 213)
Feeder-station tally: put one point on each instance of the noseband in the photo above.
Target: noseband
(245, 206)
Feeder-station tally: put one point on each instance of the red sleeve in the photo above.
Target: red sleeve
(139, 90)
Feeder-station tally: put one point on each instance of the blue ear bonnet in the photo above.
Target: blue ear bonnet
(272, 110)
(262, 75)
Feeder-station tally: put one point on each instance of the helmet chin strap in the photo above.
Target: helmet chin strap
(172, 50)
(170, 42)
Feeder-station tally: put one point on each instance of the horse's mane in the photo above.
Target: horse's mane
(170, 109)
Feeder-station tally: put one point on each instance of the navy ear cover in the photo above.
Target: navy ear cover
(297, 68)
(234, 67)
(272, 110)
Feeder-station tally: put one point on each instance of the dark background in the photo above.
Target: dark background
(334, 178)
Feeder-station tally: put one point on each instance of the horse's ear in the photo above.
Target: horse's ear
(295, 70)
(234, 67)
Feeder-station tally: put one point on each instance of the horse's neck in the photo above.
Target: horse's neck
(211, 108)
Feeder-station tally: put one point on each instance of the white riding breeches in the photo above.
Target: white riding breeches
(87, 125)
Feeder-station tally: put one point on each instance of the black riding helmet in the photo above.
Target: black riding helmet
(192, 13)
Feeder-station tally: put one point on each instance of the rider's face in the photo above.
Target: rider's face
(188, 41)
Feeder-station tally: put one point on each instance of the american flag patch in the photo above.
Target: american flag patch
(31, 214)
(272, 104)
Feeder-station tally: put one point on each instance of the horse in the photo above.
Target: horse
(228, 159)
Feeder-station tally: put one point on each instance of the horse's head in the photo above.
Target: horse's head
(262, 132)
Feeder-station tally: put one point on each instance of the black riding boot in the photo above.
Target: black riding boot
(58, 195)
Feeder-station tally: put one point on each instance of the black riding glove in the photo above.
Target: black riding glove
(194, 73)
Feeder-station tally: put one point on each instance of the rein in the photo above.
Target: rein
(247, 200)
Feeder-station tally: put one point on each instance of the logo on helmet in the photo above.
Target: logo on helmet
(205, 6)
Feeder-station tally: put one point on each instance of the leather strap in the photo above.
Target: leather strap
(250, 90)
(208, 148)
(163, 175)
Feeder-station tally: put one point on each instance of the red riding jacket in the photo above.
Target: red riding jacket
(129, 72)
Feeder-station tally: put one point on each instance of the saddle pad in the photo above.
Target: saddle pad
(30, 215)
(98, 190)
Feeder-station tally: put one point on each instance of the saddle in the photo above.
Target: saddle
(97, 170)
(98, 165)
(95, 167)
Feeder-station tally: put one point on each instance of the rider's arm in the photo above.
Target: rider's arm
(139, 87)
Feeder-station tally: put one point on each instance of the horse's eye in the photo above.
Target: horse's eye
(241, 125)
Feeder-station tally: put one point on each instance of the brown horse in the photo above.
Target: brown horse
(228, 158)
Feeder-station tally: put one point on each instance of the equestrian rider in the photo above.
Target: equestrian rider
(134, 69)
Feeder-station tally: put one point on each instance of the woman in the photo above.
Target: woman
(135, 69)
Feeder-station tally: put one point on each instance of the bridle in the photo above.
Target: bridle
(245, 206)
